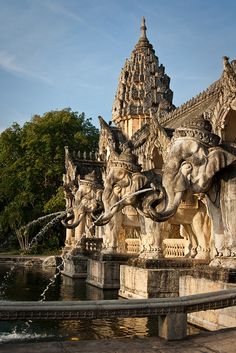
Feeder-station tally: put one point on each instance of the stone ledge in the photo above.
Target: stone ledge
(112, 257)
(195, 268)
(166, 263)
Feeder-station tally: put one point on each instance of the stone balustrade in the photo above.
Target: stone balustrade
(86, 155)
(172, 312)
(133, 245)
(91, 245)
(174, 247)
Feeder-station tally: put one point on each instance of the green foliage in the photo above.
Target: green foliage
(32, 165)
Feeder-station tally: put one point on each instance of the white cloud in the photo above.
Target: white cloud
(56, 8)
(84, 19)
(8, 62)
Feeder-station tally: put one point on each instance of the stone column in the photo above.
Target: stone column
(172, 326)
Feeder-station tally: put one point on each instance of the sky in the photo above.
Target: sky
(56, 54)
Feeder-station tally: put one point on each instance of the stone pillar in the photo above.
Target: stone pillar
(104, 270)
(172, 326)
(75, 263)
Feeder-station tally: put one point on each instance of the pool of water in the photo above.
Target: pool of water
(27, 283)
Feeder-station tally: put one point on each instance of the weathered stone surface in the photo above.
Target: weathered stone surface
(208, 342)
(104, 274)
(167, 178)
(52, 261)
(143, 85)
(211, 319)
(136, 282)
(172, 326)
(75, 264)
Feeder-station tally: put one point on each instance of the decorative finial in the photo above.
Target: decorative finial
(225, 62)
(143, 29)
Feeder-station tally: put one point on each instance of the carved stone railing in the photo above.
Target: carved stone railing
(91, 245)
(172, 312)
(174, 247)
(133, 245)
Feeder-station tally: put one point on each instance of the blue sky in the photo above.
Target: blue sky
(69, 53)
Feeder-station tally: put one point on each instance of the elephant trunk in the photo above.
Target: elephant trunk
(105, 218)
(168, 211)
(76, 222)
(128, 199)
(95, 214)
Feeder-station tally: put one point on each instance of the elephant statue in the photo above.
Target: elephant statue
(195, 225)
(86, 202)
(125, 185)
(196, 162)
(151, 238)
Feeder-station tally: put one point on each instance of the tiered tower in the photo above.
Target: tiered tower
(143, 85)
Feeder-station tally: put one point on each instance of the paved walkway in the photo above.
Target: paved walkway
(223, 341)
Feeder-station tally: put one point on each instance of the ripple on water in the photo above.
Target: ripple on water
(28, 283)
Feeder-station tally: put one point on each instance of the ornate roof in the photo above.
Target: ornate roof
(220, 93)
(204, 101)
(110, 141)
(143, 84)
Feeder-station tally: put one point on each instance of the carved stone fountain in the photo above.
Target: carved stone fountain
(154, 209)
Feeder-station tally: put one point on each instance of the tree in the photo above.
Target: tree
(32, 164)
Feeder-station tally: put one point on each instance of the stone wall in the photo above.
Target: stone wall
(137, 283)
(210, 319)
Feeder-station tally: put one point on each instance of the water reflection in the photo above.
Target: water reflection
(78, 289)
(27, 283)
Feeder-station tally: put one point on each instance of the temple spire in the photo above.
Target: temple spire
(143, 29)
(143, 85)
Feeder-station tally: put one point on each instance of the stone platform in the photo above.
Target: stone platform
(75, 263)
(142, 278)
(104, 270)
(212, 319)
(172, 277)
(223, 341)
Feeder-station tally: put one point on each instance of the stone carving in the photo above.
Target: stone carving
(226, 103)
(195, 160)
(122, 186)
(178, 168)
(151, 236)
(70, 186)
(125, 185)
(83, 200)
(229, 75)
(143, 84)
(195, 227)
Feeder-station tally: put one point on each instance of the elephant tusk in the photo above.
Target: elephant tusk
(105, 217)
(168, 212)
(131, 195)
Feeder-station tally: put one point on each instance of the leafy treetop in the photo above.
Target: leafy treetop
(32, 164)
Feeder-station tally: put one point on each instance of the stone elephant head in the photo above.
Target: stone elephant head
(87, 201)
(193, 160)
(124, 185)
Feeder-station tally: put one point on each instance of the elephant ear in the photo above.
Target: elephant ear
(218, 158)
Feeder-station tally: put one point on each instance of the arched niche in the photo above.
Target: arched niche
(157, 159)
(229, 133)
